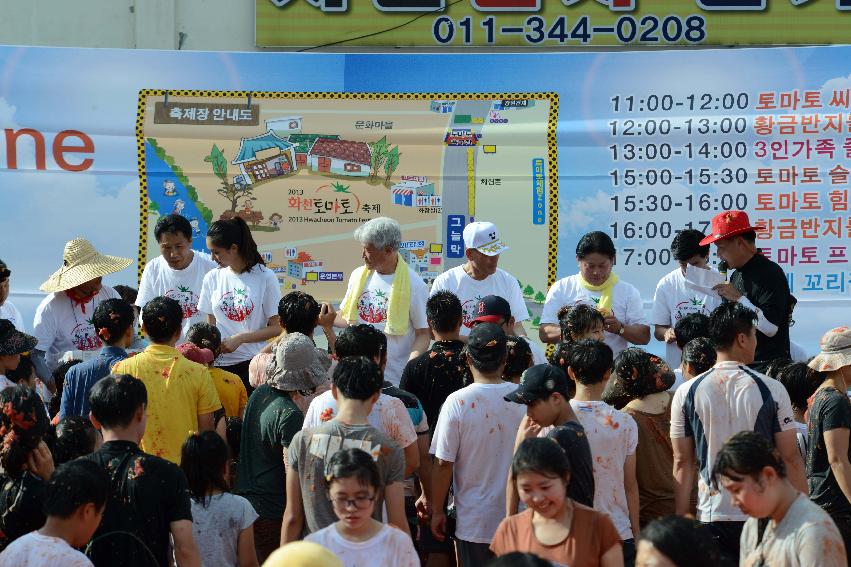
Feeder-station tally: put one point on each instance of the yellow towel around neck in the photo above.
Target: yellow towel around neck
(604, 306)
(398, 304)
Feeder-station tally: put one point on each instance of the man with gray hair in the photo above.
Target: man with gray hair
(387, 294)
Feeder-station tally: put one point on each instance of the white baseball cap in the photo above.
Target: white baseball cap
(484, 237)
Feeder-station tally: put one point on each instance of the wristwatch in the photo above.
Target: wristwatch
(621, 330)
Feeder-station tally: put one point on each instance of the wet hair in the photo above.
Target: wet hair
(357, 378)
(173, 224)
(24, 371)
(298, 312)
(112, 318)
(700, 354)
(115, 399)
(75, 484)
(686, 542)
(686, 244)
(361, 340)
(595, 242)
(690, 327)
(519, 356)
(235, 231)
(558, 358)
(127, 293)
(23, 424)
(353, 463)
(590, 360)
(774, 366)
(518, 559)
(801, 382)
(728, 321)
(205, 335)
(75, 437)
(58, 375)
(203, 459)
(637, 374)
(444, 312)
(745, 454)
(577, 320)
(162, 318)
(540, 455)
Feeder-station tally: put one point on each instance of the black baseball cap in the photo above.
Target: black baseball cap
(492, 309)
(539, 382)
(487, 343)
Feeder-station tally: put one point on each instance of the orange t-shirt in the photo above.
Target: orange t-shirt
(591, 535)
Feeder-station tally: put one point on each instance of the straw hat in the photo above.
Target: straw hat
(297, 364)
(835, 352)
(82, 263)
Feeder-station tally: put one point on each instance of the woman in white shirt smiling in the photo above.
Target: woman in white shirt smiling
(240, 298)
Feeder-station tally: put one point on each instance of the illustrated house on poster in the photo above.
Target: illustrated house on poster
(414, 191)
(303, 142)
(299, 269)
(264, 157)
(342, 157)
(416, 258)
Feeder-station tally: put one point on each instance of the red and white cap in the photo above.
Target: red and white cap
(484, 237)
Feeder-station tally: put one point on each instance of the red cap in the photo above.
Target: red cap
(727, 224)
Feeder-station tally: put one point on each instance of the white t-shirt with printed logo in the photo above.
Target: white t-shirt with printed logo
(390, 547)
(62, 325)
(613, 436)
(10, 312)
(673, 301)
(476, 431)
(184, 286)
(372, 310)
(240, 303)
(471, 291)
(626, 305)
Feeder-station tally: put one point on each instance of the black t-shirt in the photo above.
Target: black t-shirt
(764, 283)
(148, 493)
(571, 437)
(830, 410)
(435, 374)
(21, 502)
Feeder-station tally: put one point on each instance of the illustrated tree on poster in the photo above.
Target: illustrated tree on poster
(230, 191)
(391, 163)
(378, 152)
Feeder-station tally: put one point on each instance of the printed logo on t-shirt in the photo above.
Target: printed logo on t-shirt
(187, 299)
(85, 337)
(372, 306)
(323, 445)
(470, 310)
(689, 306)
(236, 305)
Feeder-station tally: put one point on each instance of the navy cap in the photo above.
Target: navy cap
(492, 309)
(539, 382)
(487, 343)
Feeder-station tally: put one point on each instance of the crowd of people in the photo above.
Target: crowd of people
(222, 435)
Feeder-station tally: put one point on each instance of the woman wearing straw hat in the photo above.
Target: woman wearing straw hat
(63, 320)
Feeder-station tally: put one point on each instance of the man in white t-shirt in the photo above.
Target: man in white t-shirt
(63, 320)
(596, 285)
(674, 299)
(710, 408)
(178, 273)
(374, 288)
(495, 309)
(7, 308)
(480, 277)
(473, 443)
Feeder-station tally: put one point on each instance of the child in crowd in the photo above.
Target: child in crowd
(74, 501)
(676, 541)
(357, 538)
(639, 387)
(519, 359)
(553, 526)
(55, 404)
(207, 340)
(24, 374)
(75, 437)
(698, 356)
(613, 436)
(13, 344)
(222, 522)
(131, 295)
(687, 329)
(579, 322)
(181, 395)
(113, 322)
(801, 382)
(472, 444)
(26, 463)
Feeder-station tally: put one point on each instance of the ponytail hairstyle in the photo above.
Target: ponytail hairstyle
(235, 231)
(23, 424)
(112, 318)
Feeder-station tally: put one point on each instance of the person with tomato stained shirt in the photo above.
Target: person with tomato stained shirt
(240, 298)
(178, 272)
(758, 284)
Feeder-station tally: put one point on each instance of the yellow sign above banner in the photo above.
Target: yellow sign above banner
(551, 23)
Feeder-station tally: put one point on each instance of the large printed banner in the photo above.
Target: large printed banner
(551, 23)
(305, 147)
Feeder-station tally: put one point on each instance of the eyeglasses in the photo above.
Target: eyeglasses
(359, 502)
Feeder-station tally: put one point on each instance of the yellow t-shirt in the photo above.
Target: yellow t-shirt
(179, 390)
(231, 391)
